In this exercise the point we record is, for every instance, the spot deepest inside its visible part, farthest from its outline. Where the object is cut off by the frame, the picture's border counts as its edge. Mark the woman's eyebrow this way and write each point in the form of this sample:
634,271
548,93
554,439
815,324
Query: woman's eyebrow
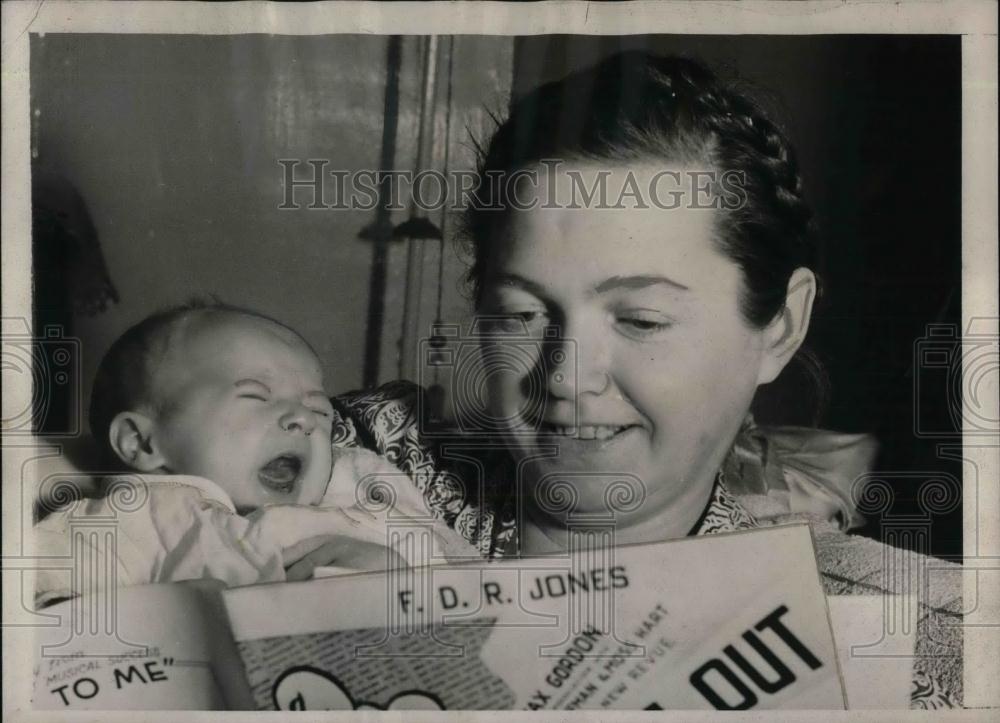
639,281
636,282
520,282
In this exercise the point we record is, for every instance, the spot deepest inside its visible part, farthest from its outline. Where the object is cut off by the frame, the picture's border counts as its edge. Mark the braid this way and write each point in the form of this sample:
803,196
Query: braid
771,235
775,154
737,121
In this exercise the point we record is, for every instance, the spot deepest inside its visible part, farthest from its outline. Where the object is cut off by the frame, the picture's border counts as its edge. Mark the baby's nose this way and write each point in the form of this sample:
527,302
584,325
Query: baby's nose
298,419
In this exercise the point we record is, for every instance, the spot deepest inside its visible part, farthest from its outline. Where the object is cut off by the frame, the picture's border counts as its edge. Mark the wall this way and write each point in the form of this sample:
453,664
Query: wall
173,142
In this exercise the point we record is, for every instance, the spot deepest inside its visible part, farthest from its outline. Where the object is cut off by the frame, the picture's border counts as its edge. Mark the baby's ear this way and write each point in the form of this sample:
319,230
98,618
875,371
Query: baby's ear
130,436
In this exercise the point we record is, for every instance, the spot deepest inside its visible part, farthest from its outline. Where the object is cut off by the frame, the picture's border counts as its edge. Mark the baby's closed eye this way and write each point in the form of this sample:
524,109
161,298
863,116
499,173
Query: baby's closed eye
319,404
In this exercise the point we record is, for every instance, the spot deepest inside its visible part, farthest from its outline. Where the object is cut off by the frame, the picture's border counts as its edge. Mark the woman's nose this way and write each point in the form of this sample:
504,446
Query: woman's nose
575,369
298,419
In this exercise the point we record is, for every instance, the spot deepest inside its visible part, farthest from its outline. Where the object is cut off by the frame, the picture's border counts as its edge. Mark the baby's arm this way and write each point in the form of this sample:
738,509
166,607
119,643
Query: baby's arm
369,508
338,552
369,487
366,484
174,533
385,420
309,537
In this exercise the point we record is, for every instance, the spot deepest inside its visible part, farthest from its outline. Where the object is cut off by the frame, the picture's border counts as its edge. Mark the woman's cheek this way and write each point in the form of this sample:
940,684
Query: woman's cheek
676,388
650,381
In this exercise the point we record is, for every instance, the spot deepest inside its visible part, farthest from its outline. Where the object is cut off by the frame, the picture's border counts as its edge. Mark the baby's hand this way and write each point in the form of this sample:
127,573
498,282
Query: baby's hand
302,558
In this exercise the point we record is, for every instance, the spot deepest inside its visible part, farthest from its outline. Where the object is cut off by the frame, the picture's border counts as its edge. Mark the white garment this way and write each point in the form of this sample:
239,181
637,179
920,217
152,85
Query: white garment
160,528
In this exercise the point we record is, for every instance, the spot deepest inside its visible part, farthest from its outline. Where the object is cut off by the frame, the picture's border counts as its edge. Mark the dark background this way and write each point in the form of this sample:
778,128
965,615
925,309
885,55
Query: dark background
876,122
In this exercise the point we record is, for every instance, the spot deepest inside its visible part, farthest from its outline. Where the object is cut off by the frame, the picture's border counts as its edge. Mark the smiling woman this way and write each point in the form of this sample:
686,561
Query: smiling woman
624,343
669,317
661,365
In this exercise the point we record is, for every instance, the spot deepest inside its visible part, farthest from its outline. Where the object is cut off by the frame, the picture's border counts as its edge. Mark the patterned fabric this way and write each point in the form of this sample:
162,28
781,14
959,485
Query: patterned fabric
927,693
724,513
386,420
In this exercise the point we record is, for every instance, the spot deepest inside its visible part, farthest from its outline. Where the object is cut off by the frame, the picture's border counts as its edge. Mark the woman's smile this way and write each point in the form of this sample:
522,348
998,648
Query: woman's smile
595,448
585,432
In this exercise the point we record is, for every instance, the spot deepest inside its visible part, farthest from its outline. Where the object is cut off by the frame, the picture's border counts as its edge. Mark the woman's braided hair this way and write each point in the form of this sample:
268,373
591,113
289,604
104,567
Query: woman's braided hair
636,107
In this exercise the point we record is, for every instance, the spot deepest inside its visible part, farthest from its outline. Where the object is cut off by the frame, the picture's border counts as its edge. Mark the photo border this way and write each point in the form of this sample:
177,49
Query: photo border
975,21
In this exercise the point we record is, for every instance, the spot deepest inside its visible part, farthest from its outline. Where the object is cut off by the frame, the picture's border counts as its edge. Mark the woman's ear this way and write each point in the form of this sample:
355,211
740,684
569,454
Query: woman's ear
131,439
786,332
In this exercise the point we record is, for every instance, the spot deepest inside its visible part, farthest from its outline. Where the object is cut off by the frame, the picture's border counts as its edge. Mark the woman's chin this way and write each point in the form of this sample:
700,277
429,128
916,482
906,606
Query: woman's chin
587,500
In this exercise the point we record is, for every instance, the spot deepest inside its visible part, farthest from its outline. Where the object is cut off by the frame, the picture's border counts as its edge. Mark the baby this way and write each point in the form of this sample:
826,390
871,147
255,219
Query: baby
222,414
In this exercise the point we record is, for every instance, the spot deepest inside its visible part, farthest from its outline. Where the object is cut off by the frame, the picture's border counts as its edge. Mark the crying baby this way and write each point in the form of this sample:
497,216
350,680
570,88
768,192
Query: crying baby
221,417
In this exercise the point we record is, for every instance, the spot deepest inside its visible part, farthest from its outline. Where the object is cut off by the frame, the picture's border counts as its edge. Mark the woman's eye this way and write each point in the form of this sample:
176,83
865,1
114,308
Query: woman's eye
642,325
516,322
254,396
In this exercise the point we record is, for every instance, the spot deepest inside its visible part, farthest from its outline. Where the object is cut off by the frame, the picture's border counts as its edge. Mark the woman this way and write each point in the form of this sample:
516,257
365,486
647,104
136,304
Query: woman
649,239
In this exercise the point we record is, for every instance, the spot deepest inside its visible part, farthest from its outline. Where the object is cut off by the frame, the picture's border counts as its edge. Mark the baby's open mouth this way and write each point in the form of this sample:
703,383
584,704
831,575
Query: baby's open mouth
281,473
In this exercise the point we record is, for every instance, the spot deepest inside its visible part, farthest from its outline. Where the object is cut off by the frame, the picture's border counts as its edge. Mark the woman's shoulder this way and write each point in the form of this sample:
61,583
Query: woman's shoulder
775,471
914,586
856,564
